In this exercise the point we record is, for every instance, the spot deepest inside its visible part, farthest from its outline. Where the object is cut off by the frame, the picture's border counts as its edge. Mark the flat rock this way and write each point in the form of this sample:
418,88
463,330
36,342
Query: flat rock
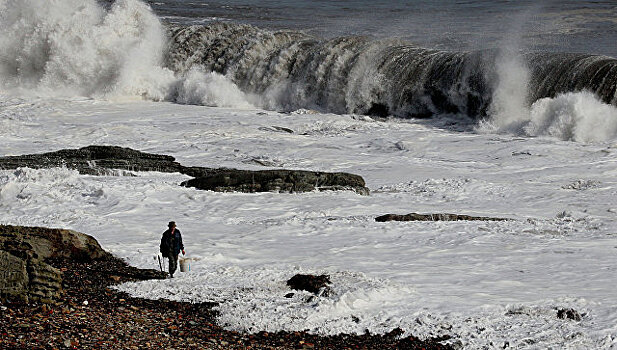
277,181
434,217
113,160
95,160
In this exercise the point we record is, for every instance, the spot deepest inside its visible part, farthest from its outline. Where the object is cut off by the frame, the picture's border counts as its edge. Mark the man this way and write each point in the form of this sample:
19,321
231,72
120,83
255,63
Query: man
171,246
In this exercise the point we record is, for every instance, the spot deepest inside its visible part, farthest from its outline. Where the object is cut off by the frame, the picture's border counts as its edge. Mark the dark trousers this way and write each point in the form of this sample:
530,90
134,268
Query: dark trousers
173,263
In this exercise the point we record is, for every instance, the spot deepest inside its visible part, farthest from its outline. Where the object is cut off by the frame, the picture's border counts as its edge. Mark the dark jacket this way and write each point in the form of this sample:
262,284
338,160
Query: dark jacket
171,243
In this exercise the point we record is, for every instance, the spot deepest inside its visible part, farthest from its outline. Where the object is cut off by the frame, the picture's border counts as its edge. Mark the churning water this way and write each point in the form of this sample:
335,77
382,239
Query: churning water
487,61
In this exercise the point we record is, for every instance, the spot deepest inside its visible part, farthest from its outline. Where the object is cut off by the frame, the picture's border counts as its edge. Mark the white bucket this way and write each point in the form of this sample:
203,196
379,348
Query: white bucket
185,264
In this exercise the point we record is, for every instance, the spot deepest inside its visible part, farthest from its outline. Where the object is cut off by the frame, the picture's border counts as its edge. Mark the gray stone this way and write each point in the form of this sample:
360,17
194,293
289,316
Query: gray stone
43,243
113,160
95,160
45,281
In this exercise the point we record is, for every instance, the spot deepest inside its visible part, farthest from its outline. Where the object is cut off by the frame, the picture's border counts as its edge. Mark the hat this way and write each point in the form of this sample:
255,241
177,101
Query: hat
171,224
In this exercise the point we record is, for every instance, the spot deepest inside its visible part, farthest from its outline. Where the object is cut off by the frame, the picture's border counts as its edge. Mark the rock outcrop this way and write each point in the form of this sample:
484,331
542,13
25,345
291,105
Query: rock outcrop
95,160
13,278
277,181
113,160
434,217
569,314
26,276
311,283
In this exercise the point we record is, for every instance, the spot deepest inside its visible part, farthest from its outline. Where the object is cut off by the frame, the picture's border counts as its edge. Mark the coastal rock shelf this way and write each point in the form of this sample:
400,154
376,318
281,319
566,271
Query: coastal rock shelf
277,181
113,160
434,217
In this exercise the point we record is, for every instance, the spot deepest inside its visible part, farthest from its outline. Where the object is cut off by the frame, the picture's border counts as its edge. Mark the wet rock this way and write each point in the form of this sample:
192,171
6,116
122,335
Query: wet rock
276,129
13,278
43,243
434,217
569,314
26,276
277,181
113,160
395,333
310,283
378,110
27,279
94,160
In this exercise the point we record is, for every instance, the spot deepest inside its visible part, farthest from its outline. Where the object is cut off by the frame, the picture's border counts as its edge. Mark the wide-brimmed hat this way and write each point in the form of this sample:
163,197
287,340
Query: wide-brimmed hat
171,224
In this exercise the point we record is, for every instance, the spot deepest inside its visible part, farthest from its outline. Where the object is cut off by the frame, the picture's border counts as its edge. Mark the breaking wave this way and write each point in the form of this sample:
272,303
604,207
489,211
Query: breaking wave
78,47
293,70
73,47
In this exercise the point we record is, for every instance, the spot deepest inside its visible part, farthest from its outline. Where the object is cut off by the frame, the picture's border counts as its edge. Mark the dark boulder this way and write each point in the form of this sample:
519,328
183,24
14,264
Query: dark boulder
569,314
310,283
434,217
277,181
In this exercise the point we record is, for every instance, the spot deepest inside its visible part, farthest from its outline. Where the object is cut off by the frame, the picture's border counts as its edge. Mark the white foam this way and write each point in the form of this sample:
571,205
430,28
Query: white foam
435,278
210,89
573,116
74,47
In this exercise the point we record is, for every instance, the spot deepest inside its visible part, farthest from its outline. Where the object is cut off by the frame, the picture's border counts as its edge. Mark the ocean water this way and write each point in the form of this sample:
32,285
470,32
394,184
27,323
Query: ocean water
489,108
569,26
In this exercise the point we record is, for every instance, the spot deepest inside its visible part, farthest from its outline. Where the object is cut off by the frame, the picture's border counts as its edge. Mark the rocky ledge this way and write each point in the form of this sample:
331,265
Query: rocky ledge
113,160
277,181
87,314
434,217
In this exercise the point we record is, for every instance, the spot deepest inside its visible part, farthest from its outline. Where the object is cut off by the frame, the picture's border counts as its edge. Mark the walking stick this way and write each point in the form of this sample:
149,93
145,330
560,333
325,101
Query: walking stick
160,264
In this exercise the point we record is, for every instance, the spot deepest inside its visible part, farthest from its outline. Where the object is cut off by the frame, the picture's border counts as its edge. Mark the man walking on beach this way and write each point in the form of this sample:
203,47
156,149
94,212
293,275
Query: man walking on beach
171,245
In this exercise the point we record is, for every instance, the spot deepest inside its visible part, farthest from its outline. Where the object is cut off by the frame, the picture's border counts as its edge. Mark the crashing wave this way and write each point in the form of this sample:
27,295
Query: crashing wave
292,70
121,49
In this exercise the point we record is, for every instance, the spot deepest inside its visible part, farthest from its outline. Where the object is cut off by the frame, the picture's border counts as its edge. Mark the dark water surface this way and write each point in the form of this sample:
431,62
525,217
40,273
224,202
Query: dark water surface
572,26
